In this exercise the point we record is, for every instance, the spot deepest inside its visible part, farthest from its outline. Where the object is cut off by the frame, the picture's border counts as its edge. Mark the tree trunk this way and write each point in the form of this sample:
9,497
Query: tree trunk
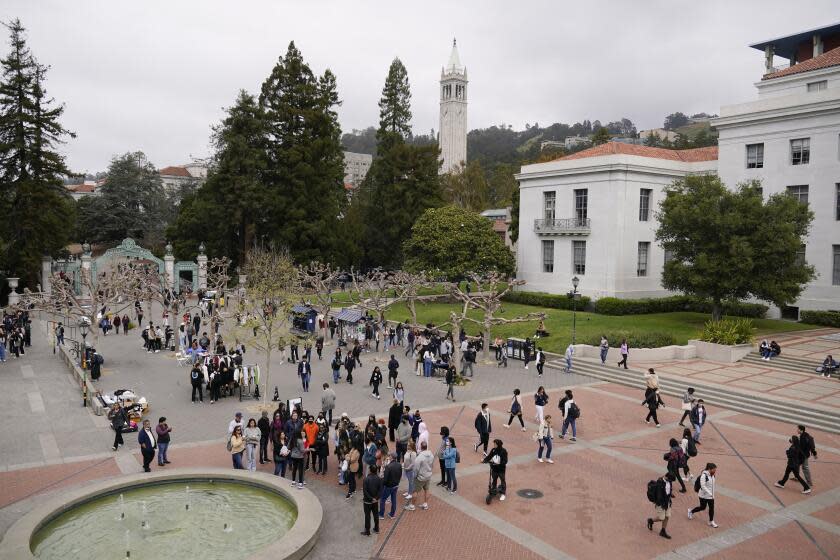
485,350
267,372
717,309
412,309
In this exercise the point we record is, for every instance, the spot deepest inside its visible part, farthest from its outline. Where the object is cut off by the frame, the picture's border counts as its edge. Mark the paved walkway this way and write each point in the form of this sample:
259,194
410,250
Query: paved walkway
593,500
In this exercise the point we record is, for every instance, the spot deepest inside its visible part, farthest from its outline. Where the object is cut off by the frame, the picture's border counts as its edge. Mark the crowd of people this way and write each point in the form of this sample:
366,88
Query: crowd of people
15,334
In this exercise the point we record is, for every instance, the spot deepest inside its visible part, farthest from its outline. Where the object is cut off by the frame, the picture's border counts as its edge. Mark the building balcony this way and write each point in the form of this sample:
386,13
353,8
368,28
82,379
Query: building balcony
563,226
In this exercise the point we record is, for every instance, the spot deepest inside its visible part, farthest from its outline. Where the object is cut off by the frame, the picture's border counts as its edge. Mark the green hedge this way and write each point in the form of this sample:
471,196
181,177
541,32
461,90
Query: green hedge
826,318
634,339
541,299
615,306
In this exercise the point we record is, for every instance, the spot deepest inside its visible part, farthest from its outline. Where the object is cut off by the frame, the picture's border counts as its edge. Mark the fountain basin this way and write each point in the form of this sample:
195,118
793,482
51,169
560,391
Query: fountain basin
267,517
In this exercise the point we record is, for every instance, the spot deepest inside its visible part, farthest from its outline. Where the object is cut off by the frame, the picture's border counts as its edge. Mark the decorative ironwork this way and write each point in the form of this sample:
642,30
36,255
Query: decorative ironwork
562,226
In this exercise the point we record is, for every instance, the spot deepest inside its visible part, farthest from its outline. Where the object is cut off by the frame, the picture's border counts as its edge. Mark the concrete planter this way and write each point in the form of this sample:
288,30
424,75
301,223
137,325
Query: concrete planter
720,352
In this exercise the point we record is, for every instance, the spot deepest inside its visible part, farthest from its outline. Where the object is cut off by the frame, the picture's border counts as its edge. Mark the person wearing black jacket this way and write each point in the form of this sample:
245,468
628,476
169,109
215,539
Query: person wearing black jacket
393,366
484,427
371,493
394,418
450,382
196,379
375,380
349,364
809,449
664,495
497,459
794,461
391,476
653,401
264,424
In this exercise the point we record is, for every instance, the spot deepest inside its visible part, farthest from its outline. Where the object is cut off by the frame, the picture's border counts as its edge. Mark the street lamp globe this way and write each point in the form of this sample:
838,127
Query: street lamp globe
83,328
575,282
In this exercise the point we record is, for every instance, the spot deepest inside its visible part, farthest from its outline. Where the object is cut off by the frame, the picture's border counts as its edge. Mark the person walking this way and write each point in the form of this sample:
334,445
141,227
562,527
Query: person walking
423,468
148,443
571,413
371,493
236,446
698,418
544,435
540,359
484,427
409,461
675,458
196,381
705,487
794,462
515,410
450,459
328,402
162,430
625,352
393,367
305,373
540,400
651,382
119,421
497,459
450,382
605,348
690,450
391,476
653,401
375,380
687,405
335,365
252,436
349,365
264,424
570,351
809,449
527,352
661,496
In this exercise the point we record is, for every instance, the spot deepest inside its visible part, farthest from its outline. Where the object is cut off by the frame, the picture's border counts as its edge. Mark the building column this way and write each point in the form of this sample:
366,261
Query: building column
202,268
14,296
169,267
818,45
768,58
46,274
85,271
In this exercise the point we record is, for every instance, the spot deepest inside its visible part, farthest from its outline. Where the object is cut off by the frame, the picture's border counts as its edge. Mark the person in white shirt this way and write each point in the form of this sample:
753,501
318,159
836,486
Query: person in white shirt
706,493
570,351
237,421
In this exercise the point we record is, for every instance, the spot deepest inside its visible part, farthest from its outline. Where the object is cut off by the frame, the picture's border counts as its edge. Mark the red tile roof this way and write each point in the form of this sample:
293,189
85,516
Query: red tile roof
82,188
709,153
825,60
175,171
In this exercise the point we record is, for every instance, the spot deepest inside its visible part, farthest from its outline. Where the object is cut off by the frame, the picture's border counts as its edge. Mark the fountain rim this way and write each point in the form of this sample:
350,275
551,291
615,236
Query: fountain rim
293,545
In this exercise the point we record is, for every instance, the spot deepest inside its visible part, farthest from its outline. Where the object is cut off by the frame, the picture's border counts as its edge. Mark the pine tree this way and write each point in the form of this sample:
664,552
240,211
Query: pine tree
403,179
38,212
305,162
234,183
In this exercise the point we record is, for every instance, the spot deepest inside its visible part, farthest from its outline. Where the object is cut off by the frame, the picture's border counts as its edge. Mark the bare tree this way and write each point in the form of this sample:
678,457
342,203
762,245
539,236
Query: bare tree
272,288
406,286
317,279
373,292
489,290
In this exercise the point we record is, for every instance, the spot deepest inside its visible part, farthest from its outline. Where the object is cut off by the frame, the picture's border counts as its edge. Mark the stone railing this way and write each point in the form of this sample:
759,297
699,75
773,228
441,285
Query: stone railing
563,226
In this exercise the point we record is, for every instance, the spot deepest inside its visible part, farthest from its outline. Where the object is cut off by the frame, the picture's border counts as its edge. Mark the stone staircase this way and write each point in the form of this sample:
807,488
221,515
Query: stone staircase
782,362
716,396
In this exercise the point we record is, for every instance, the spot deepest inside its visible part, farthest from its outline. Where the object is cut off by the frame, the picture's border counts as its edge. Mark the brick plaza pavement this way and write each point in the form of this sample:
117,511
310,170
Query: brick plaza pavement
593,500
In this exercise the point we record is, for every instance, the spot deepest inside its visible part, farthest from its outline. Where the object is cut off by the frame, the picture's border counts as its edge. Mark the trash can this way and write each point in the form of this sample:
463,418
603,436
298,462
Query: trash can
515,348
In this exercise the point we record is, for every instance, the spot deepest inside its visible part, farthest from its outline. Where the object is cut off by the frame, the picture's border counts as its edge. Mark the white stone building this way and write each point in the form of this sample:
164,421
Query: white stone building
789,138
453,113
174,176
356,167
591,215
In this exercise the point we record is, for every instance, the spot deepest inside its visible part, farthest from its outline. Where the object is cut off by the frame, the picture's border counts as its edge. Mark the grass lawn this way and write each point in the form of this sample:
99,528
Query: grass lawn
682,325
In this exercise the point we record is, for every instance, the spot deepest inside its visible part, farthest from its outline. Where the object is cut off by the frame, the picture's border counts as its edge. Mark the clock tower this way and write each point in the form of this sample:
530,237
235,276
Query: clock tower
453,113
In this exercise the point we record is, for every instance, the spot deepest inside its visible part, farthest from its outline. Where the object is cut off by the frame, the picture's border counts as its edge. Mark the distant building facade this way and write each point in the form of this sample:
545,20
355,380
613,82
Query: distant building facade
501,224
356,167
453,113
174,176
575,141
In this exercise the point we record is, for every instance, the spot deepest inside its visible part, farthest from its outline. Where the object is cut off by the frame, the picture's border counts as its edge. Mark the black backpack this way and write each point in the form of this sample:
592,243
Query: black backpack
574,411
651,490
697,483
692,447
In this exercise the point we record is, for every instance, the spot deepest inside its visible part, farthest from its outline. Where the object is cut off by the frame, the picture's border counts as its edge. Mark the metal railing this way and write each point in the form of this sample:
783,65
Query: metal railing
569,226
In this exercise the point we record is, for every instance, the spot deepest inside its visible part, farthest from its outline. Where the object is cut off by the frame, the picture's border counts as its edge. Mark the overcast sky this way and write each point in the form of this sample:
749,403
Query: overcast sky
155,75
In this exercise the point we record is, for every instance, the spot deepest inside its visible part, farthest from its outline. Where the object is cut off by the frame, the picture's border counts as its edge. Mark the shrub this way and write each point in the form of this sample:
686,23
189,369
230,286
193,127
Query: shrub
728,331
634,339
615,306
541,299
825,318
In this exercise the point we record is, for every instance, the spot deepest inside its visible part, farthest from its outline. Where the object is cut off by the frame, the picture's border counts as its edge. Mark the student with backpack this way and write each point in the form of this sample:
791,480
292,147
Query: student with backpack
571,413
659,493
794,462
676,460
705,488
515,410
809,449
689,449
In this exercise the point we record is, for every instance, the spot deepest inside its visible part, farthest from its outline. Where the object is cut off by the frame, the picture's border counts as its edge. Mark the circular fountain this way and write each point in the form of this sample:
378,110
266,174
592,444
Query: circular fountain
186,513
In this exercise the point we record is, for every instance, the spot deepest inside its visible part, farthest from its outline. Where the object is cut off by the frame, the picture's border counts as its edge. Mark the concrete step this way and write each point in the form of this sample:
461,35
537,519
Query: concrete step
760,406
783,362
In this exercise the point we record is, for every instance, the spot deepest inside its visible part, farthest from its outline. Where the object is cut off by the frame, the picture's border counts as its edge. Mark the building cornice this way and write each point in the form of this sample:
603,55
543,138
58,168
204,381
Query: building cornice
816,108
615,167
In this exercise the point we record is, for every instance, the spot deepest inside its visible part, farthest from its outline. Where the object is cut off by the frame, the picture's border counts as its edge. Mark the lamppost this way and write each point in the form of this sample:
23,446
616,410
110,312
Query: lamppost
83,329
574,295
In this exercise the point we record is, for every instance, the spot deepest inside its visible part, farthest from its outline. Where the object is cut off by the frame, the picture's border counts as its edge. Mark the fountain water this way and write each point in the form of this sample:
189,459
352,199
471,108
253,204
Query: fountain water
145,522
188,498
122,509
228,526
127,542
